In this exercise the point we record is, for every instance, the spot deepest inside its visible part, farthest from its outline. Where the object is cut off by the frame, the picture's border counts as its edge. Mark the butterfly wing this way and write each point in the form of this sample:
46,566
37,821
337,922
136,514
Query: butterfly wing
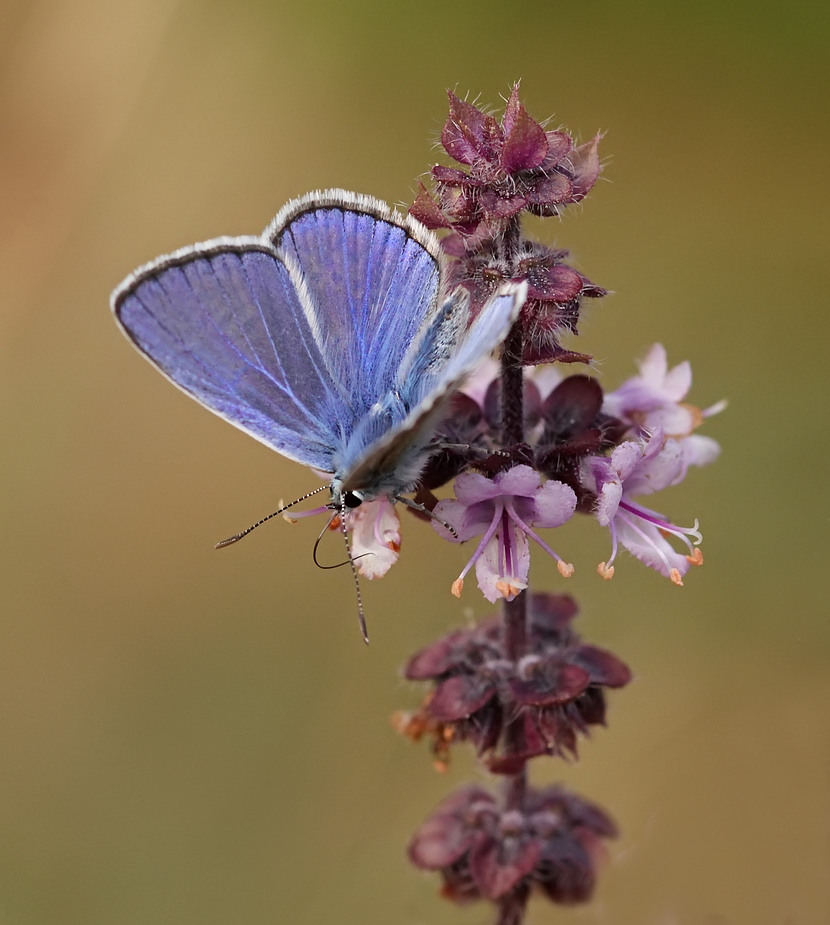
369,281
223,322
287,335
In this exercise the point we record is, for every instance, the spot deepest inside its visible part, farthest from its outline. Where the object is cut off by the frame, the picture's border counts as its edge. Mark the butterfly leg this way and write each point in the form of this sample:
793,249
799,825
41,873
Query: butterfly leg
414,506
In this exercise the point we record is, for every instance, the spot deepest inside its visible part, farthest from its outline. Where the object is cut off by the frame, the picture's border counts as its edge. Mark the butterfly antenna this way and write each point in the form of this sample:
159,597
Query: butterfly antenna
238,536
361,617
413,505
349,560
320,536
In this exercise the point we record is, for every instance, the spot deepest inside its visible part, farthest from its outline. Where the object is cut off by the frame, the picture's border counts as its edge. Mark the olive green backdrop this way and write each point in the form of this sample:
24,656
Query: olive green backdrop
200,737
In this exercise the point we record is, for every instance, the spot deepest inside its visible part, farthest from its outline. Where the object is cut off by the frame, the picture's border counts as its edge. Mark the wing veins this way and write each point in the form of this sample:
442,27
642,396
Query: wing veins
282,387
312,317
312,359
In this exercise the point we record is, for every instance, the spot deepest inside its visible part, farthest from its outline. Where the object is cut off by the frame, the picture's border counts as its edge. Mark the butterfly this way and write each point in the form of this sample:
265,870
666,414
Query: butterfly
329,338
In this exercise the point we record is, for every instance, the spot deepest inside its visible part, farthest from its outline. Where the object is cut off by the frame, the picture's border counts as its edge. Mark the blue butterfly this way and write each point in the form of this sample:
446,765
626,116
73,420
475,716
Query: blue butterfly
328,338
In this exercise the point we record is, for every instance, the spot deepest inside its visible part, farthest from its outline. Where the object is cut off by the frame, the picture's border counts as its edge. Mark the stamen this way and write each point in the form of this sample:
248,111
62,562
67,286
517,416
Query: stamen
609,567
650,542
716,408
663,525
560,563
696,558
488,534
361,616
510,589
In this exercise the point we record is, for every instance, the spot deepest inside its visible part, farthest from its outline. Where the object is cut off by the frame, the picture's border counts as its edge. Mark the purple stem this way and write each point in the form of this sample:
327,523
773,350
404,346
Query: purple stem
512,909
514,627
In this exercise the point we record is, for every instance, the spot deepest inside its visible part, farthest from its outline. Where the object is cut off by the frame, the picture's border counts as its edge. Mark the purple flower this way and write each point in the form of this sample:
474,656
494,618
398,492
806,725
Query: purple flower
655,399
513,709
573,426
564,423
482,849
503,511
554,295
512,166
638,467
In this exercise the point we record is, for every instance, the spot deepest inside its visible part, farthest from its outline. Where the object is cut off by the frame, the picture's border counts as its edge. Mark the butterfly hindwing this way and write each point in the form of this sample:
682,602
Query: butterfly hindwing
402,450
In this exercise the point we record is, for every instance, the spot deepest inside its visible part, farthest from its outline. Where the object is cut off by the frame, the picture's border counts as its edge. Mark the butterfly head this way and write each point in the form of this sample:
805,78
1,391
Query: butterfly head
342,498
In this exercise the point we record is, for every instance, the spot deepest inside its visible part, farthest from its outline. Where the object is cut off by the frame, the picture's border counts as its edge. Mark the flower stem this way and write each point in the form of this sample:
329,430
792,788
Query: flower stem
512,908
515,785
512,378
512,389
512,428
514,613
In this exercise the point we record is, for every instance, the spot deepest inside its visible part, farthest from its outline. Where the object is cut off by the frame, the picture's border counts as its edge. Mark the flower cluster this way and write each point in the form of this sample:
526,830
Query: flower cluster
511,709
598,453
512,166
525,448
655,399
503,510
483,849
659,448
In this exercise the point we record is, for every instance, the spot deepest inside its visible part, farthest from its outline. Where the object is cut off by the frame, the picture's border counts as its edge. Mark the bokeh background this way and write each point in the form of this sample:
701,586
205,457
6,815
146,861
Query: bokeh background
191,736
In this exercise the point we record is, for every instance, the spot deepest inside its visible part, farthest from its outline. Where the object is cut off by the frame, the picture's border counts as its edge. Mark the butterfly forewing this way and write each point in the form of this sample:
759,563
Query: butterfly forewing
369,284
224,323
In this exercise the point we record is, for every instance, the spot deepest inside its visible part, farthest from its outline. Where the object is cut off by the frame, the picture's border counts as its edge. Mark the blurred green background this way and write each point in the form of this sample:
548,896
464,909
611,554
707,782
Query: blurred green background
191,736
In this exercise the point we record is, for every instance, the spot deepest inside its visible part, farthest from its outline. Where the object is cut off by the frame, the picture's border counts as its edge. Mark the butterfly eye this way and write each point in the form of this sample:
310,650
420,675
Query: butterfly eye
352,499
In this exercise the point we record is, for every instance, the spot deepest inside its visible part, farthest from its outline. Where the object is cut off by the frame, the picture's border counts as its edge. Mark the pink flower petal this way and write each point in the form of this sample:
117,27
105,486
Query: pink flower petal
520,480
608,502
659,467
467,520
626,457
647,543
699,450
495,580
471,487
555,504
